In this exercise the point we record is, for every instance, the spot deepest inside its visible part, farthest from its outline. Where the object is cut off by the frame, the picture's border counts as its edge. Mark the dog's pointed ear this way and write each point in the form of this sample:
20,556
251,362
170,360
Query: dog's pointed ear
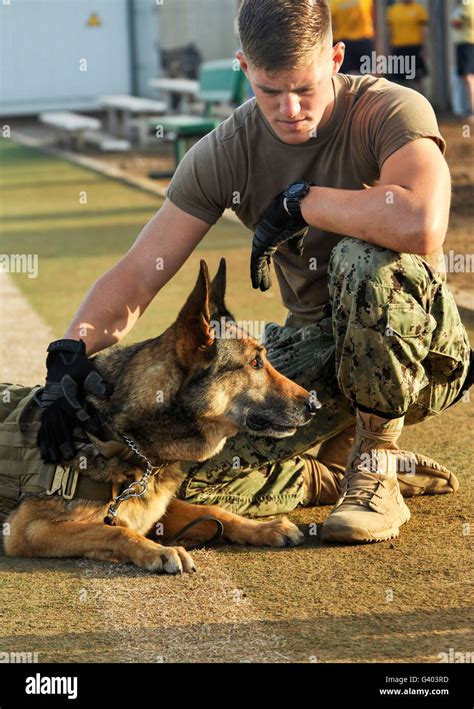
192,325
217,304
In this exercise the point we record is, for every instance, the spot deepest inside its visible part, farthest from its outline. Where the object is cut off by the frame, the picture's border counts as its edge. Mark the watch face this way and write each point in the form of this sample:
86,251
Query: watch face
296,188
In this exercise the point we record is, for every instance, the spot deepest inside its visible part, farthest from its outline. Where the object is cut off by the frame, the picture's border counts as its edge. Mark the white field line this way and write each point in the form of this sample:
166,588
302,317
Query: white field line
24,337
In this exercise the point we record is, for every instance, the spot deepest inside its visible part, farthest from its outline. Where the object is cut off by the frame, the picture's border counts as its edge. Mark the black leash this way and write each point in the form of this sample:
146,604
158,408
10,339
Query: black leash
218,535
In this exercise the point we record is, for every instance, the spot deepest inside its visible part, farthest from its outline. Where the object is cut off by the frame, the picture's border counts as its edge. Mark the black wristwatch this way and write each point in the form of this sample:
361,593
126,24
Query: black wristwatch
292,197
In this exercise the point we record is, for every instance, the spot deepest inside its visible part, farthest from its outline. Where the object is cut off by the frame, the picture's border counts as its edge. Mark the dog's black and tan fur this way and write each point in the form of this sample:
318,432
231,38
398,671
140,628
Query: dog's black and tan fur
180,396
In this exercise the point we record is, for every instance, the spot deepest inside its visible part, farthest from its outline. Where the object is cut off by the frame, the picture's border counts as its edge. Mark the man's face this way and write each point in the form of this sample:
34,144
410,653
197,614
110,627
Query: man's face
294,102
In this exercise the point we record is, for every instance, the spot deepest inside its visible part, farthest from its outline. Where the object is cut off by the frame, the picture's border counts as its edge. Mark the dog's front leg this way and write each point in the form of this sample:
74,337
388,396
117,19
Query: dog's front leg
46,538
278,532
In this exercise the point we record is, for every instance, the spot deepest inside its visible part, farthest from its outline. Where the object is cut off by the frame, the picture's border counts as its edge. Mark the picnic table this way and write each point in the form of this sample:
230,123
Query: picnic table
80,129
184,89
221,84
125,112
72,125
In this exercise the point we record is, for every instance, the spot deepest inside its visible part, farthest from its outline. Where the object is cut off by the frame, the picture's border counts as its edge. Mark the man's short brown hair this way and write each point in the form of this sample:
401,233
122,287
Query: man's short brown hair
283,34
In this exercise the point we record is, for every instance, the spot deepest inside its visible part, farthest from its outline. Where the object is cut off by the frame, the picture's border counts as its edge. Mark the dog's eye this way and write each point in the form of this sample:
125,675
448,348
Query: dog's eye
256,363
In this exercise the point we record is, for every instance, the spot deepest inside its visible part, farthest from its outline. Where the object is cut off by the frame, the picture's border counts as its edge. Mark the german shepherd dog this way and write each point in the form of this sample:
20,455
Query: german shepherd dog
211,388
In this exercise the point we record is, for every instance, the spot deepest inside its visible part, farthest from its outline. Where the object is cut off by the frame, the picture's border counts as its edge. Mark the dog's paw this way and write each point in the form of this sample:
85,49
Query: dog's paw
279,533
167,560
273,533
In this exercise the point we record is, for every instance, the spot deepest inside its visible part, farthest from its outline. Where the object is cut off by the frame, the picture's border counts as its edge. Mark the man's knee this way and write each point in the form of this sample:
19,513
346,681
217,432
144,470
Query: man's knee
345,251
358,261
351,254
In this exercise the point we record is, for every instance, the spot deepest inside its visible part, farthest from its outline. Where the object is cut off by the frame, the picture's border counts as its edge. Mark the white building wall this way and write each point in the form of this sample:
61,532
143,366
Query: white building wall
43,46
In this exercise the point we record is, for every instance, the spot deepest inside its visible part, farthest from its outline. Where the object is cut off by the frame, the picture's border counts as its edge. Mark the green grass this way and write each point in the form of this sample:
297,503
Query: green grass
41,213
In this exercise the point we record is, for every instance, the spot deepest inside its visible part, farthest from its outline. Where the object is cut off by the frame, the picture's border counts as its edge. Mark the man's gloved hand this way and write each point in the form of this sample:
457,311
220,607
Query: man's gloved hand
70,374
276,227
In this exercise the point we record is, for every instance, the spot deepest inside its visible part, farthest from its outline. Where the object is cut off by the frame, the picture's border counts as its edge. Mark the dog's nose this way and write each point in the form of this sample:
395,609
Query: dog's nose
313,405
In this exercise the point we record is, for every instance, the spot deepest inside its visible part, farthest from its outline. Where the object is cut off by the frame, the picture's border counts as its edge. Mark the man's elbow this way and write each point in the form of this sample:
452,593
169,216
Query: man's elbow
429,242
430,235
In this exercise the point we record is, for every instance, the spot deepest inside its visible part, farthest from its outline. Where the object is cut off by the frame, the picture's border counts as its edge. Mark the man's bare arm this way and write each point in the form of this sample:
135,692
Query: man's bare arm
119,297
408,211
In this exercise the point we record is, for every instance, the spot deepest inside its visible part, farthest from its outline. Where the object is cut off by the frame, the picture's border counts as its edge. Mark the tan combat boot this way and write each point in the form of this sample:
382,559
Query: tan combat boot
419,475
324,472
371,507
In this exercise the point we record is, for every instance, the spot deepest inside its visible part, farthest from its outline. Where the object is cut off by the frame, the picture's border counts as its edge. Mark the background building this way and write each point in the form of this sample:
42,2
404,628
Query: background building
63,54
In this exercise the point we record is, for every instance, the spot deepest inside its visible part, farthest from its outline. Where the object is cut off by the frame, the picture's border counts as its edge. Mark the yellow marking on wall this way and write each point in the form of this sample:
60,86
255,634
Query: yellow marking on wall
94,20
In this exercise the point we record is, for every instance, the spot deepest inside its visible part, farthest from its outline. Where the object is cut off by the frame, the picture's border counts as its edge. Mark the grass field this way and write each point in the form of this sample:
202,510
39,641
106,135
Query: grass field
408,600
76,243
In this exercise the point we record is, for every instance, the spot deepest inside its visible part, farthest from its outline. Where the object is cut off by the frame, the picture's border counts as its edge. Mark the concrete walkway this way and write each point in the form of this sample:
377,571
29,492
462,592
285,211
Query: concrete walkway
24,337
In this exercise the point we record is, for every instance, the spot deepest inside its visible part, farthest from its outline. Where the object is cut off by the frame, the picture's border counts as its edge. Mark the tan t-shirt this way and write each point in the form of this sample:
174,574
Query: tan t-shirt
243,165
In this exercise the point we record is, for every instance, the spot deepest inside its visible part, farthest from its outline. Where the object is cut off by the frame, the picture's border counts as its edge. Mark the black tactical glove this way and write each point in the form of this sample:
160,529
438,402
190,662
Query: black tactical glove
276,227
70,374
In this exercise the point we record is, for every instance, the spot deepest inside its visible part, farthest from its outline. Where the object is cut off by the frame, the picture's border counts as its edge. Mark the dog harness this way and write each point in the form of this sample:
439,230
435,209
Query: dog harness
23,471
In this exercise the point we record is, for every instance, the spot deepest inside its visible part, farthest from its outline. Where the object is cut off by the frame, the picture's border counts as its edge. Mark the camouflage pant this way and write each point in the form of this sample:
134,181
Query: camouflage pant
394,344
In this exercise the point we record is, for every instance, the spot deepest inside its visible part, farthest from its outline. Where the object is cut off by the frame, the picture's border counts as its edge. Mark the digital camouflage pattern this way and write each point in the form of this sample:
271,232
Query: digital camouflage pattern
400,343
394,343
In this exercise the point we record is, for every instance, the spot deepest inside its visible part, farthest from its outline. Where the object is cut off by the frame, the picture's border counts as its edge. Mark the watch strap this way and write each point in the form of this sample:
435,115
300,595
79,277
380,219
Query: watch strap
293,207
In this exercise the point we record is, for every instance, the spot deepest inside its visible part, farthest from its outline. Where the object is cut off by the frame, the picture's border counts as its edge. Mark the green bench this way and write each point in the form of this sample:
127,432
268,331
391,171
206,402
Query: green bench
219,84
